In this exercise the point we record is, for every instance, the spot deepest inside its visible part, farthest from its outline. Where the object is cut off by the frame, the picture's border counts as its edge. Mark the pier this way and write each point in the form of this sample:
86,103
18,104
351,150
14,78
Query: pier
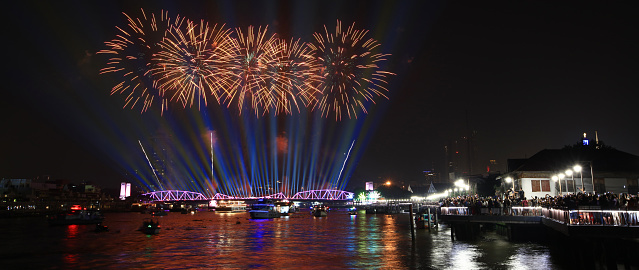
516,222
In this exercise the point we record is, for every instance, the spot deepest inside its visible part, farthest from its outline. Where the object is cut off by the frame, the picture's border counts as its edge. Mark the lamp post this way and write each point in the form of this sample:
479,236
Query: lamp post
572,178
592,176
510,179
555,178
561,176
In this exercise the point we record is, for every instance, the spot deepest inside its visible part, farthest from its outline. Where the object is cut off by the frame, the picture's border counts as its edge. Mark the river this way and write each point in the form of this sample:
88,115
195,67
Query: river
208,240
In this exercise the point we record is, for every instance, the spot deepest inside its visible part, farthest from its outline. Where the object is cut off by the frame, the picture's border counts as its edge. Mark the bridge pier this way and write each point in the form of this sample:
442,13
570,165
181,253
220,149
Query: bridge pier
464,230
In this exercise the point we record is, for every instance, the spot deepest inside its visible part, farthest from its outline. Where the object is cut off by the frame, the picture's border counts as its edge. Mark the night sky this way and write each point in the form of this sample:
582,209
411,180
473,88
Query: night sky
524,75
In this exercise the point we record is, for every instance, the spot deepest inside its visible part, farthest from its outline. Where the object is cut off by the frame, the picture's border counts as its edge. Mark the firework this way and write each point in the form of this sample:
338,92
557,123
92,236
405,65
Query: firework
349,69
131,54
193,62
253,53
292,74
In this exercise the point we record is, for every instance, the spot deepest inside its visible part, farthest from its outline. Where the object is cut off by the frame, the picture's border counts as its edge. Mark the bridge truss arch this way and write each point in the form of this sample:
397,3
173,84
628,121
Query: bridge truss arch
176,195
323,194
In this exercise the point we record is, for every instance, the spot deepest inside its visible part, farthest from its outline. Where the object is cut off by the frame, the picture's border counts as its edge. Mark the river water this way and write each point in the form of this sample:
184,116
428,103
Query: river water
208,240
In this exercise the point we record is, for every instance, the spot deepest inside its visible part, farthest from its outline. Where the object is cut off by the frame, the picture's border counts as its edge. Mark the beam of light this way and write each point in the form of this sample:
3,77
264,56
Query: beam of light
152,169
346,159
337,74
212,155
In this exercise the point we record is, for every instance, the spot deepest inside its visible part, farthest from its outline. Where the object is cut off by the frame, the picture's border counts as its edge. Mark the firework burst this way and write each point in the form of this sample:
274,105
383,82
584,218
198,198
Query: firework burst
131,54
252,54
349,69
292,74
193,62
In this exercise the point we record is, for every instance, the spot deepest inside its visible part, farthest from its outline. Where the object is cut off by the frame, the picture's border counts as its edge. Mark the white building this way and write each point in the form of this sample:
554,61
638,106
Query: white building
552,172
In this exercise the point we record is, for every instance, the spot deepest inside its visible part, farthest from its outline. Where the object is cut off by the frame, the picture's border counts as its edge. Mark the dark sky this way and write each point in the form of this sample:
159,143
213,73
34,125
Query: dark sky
525,75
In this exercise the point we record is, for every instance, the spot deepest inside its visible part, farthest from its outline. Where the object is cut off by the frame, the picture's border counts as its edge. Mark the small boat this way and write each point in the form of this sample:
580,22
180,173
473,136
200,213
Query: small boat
101,228
150,227
424,220
352,211
159,213
320,210
264,210
76,217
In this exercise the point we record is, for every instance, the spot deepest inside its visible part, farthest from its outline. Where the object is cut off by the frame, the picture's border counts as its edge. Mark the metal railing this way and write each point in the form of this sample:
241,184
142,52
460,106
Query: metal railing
576,217
599,217
494,211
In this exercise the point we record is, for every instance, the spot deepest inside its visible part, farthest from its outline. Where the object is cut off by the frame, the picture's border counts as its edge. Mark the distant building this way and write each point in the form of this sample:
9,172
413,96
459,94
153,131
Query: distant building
431,176
603,169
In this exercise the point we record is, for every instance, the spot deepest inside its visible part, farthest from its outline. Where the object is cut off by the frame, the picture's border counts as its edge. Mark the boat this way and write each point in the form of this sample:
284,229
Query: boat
264,210
158,213
320,210
101,228
285,207
423,221
76,217
230,207
352,211
149,226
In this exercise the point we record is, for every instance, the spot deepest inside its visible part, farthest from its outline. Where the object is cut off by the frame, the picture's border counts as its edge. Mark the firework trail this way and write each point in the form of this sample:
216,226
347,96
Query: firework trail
253,53
292,74
131,54
349,69
193,62
185,62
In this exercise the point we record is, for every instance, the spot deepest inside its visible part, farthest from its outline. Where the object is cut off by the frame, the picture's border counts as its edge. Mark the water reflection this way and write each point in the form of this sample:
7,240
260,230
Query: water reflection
209,240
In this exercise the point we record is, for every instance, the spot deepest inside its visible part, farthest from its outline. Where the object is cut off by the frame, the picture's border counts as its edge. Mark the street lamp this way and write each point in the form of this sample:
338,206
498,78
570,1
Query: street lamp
561,176
572,178
555,178
509,180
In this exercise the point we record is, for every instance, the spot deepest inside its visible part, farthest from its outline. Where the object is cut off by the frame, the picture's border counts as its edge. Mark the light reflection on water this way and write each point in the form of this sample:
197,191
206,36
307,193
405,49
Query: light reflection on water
233,241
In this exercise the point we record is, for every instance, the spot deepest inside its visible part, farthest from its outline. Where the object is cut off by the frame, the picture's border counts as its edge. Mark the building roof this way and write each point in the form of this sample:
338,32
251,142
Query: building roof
603,160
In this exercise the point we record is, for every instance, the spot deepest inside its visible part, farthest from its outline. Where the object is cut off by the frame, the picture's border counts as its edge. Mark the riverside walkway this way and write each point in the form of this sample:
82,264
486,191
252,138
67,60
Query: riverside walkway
581,222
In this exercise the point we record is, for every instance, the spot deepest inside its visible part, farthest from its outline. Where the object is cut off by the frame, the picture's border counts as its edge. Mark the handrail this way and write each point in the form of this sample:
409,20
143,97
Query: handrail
574,217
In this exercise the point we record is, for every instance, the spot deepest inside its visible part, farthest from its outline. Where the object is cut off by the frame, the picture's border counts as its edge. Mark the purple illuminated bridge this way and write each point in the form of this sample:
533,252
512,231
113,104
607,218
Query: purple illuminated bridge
320,195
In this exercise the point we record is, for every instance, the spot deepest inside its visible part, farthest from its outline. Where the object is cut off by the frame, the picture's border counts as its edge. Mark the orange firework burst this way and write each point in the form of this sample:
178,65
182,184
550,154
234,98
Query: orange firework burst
193,62
252,54
131,57
349,69
292,74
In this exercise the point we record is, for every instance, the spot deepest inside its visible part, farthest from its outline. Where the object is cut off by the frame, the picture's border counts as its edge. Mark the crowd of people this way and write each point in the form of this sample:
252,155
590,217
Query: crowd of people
610,201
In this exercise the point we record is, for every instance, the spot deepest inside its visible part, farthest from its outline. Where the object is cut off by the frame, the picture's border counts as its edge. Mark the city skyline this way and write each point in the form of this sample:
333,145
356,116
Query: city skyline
524,76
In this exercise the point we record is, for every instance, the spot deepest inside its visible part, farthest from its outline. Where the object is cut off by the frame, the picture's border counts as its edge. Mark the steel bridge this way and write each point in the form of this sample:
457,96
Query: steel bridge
176,195
320,195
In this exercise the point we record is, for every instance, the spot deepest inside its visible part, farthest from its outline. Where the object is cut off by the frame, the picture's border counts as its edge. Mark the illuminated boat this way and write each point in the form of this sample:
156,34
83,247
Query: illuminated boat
352,211
230,207
150,227
76,217
262,210
285,207
320,210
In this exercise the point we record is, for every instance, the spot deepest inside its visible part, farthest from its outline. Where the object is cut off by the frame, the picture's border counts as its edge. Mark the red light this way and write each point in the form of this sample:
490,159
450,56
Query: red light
76,207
